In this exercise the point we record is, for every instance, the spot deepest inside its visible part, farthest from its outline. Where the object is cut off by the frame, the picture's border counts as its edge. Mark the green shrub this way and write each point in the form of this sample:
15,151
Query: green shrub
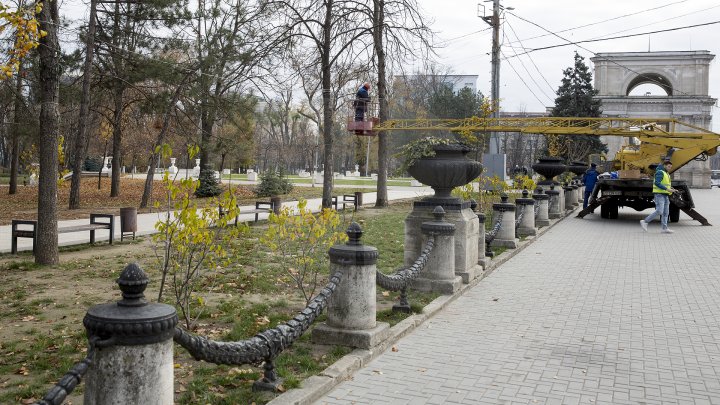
273,183
209,186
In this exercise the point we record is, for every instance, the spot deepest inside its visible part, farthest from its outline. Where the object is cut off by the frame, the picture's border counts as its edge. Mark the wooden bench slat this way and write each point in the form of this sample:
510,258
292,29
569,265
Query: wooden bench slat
78,228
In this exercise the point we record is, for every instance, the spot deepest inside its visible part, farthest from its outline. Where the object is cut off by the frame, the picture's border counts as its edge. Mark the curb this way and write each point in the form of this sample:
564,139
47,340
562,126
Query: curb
313,388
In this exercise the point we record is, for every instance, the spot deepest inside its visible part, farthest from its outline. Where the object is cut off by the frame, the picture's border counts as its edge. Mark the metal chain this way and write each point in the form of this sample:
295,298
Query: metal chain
489,236
68,382
264,346
402,277
520,217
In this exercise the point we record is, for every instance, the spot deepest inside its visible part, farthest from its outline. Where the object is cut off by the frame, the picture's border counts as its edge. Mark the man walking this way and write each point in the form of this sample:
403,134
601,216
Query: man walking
661,190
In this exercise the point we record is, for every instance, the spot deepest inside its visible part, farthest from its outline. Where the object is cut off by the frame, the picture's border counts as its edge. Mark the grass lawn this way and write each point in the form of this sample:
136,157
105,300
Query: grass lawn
42,335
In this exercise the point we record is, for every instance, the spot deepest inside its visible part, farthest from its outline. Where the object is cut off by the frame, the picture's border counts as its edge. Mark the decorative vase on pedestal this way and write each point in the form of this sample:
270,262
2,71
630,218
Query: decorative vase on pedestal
549,167
449,168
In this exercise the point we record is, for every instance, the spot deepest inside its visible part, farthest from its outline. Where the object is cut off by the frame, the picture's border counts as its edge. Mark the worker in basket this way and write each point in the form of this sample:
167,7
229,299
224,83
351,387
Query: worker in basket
362,99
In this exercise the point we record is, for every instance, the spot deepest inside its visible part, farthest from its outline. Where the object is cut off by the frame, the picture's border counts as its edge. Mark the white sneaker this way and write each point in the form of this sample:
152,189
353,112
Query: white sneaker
643,224
667,231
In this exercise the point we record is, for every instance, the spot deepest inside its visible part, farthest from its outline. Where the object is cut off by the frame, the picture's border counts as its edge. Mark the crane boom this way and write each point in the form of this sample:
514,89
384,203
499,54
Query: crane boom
634,127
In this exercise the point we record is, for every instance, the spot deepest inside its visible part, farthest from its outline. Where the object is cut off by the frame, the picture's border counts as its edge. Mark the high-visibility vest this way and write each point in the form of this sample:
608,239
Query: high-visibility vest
665,182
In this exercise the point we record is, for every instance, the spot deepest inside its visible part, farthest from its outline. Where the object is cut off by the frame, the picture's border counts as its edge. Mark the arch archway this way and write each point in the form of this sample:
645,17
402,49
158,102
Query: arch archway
683,77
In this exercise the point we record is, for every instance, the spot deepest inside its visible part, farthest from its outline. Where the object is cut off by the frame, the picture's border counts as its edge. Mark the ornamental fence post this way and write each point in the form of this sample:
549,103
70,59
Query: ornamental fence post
352,309
134,347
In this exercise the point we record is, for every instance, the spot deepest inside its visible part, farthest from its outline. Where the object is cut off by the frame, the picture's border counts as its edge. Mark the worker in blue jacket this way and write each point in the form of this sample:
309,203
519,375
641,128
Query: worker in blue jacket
362,99
589,179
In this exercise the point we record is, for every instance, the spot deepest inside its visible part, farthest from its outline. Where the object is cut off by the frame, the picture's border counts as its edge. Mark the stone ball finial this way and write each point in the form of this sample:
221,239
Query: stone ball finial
439,213
354,233
539,190
552,187
132,282
525,193
504,198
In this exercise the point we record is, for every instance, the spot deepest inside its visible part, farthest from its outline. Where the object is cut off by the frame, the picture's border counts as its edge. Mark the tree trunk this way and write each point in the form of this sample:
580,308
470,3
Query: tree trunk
327,108
383,153
46,251
15,152
155,157
117,140
81,141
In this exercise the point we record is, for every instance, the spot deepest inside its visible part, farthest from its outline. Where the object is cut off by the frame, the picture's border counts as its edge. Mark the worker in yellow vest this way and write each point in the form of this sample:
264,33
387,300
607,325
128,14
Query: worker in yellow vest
662,190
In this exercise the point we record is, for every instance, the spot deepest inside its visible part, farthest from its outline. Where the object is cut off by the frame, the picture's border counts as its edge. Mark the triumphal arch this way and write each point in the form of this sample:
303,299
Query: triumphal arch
682,75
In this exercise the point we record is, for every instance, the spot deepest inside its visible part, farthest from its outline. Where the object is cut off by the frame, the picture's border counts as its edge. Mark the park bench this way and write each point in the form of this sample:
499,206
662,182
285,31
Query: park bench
347,199
93,226
260,208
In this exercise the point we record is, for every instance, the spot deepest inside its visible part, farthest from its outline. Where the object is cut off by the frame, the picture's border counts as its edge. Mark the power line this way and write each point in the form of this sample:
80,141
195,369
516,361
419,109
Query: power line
650,79
522,80
569,42
604,21
531,60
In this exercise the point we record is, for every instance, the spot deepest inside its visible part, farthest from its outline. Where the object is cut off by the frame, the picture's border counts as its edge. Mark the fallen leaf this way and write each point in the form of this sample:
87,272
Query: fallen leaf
28,318
386,293
495,299
22,371
394,348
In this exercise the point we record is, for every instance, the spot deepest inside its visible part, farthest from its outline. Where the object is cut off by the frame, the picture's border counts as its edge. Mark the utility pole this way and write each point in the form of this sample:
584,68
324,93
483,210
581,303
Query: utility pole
494,22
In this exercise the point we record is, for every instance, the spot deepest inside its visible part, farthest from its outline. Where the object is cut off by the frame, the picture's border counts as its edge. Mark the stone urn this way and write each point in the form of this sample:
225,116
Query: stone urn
549,167
449,168
577,168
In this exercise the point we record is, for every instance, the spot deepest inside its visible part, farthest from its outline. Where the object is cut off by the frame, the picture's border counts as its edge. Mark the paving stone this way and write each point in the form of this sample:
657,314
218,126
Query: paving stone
596,308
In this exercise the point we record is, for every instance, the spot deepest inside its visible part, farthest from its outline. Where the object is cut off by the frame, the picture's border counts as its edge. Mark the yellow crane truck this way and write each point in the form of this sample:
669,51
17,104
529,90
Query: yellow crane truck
650,141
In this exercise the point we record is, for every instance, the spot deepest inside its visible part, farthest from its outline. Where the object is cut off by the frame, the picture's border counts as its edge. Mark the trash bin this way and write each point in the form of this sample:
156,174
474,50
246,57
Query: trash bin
128,221
276,204
358,200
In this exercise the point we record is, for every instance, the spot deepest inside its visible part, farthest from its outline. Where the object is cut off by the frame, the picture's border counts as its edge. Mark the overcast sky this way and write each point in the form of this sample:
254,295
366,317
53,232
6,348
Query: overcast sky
467,39
467,51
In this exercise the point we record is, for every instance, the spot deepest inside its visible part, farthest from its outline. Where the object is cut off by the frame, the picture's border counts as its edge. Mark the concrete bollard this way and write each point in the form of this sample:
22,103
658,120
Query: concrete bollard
134,359
352,309
483,260
526,206
439,272
542,201
580,191
569,197
555,207
506,234
575,194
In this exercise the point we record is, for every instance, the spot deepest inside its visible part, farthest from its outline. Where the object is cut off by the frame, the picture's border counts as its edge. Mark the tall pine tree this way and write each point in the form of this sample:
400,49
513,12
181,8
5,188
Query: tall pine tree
575,99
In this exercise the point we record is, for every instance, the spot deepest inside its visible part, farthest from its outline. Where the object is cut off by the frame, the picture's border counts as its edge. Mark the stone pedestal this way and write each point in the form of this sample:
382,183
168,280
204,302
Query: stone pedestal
526,206
505,236
569,198
555,203
542,202
252,176
138,367
458,213
438,275
352,308
196,169
483,260
172,169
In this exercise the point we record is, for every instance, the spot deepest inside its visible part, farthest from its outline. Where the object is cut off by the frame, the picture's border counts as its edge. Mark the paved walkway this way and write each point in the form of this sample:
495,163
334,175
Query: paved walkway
593,312
146,222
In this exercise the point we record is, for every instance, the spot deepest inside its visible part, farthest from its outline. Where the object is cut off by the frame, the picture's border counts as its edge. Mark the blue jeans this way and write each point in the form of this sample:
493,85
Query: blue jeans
662,208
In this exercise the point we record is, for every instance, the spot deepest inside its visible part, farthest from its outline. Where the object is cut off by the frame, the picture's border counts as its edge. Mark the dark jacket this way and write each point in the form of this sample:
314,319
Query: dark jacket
589,179
362,96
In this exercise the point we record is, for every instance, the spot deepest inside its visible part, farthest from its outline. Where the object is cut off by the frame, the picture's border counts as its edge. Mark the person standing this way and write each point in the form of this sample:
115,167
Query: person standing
362,99
589,179
662,190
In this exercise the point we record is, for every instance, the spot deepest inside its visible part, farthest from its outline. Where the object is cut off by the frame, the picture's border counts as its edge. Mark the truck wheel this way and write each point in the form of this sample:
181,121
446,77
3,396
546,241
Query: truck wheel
674,213
609,210
613,210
